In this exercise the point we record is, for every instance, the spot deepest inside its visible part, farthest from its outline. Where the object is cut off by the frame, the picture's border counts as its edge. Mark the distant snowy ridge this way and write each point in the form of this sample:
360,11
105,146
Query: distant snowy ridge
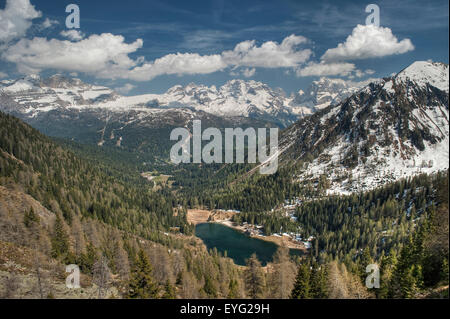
235,98
324,92
33,94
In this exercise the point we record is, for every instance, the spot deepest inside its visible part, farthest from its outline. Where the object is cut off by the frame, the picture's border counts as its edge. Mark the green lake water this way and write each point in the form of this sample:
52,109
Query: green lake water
238,246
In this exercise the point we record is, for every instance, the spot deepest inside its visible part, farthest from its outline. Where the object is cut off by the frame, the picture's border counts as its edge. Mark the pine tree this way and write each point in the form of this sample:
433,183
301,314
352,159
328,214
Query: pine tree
365,260
407,278
60,239
410,282
444,271
169,291
318,282
209,287
141,282
233,289
386,269
30,217
302,285
87,259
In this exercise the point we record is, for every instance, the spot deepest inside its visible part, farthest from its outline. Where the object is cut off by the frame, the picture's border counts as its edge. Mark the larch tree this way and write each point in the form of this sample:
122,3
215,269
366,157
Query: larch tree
254,278
282,279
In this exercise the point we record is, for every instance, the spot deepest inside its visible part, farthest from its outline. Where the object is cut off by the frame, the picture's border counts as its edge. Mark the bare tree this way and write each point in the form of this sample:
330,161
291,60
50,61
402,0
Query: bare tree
101,276
161,261
344,285
283,277
37,267
122,262
189,290
76,230
254,278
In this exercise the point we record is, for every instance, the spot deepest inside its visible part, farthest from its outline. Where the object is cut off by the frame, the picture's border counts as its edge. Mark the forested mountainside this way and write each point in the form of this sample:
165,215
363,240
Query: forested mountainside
55,176
358,137
57,208
50,217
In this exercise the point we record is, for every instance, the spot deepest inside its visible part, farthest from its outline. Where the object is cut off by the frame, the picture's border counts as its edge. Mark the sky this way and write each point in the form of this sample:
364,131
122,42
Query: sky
142,46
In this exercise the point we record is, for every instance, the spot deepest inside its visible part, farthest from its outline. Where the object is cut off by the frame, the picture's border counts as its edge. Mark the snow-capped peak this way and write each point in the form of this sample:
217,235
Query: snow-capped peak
33,77
324,92
424,72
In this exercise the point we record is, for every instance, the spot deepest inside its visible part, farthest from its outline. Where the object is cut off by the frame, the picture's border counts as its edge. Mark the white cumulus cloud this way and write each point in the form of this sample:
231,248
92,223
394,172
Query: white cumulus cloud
326,69
248,72
16,18
368,41
108,56
180,63
270,54
48,23
73,35
103,55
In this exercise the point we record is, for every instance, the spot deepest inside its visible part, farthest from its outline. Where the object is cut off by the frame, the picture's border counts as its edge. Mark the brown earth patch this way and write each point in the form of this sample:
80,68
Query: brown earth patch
198,216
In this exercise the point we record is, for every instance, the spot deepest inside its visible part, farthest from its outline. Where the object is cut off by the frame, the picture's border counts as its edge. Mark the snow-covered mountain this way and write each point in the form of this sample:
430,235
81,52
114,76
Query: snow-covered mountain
32,95
252,98
395,127
234,98
322,93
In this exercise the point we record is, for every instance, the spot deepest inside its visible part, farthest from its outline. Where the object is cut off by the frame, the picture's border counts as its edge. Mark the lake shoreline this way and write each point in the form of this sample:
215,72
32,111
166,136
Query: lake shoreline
282,241
202,216
233,243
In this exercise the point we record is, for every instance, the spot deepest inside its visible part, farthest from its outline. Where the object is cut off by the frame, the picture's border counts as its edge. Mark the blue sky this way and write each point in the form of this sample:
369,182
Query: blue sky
206,33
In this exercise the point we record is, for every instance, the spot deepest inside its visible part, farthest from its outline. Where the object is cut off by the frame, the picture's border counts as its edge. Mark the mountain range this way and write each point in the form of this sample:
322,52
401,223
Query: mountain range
392,128
32,96
358,135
